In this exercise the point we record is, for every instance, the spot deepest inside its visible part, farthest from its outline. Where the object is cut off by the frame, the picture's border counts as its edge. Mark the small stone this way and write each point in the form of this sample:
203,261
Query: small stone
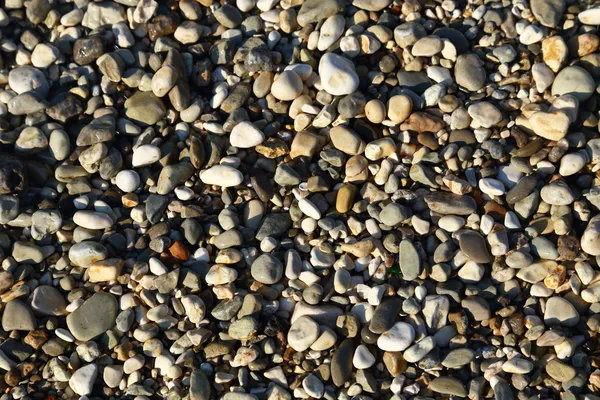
17,316
245,135
560,371
448,386
103,307
303,333
82,380
337,73
398,338
363,358
267,269
560,312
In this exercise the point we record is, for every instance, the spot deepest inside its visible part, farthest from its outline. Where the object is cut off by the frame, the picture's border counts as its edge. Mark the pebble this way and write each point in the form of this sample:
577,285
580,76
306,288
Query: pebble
245,135
303,333
363,359
398,338
337,74
222,175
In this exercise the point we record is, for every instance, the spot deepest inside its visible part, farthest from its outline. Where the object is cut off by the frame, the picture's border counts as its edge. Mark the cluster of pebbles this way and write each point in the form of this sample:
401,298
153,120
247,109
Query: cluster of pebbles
299,199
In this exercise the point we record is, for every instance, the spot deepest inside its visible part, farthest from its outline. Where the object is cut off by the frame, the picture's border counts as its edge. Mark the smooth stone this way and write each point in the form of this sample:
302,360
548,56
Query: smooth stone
267,269
17,316
146,154
548,12
560,371
98,131
92,219
398,338
331,30
127,180
303,333
371,5
574,80
337,74
313,386
200,387
26,78
448,386
47,300
477,308
172,176
450,203
485,114
517,365
590,240
419,350
384,315
491,186
458,358
9,208
313,11
363,358
94,317
245,135
473,245
393,214
287,86
341,363
346,140
551,126
560,312
409,260
469,73
222,175
145,108
86,253
590,16
82,380
557,193
435,311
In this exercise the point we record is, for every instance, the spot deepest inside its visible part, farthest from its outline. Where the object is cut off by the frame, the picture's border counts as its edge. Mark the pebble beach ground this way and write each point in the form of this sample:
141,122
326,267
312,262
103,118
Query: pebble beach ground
294,199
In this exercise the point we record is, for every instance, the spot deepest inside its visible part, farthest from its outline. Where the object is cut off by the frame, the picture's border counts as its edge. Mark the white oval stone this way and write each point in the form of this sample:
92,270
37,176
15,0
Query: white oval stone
127,180
331,31
145,155
363,358
590,17
222,175
83,379
517,365
572,163
398,338
245,135
338,76
92,219
303,332
309,209
287,86
492,187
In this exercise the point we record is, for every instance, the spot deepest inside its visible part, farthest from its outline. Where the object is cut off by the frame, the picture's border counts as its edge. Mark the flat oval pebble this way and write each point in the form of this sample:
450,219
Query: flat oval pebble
222,175
92,220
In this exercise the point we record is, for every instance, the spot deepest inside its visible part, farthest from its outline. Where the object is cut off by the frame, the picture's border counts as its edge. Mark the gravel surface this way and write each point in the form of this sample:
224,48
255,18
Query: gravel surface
276,200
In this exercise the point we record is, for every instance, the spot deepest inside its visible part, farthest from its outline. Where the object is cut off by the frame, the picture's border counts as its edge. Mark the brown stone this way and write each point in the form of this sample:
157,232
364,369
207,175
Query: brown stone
36,339
345,198
306,144
423,122
272,148
394,362
179,251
